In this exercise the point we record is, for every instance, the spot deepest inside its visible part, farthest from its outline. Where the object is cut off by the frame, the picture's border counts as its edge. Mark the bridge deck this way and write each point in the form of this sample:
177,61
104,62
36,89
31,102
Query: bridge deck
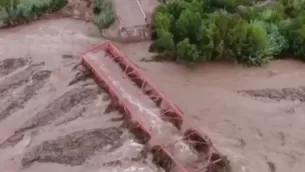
115,71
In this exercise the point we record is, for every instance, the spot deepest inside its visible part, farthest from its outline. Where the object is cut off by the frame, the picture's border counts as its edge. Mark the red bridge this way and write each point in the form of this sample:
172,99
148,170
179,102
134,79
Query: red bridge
175,144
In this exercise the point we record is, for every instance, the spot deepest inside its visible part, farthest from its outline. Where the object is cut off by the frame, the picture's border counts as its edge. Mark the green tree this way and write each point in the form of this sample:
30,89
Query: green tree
187,51
163,21
165,42
295,33
188,25
104,14
175,8
104,19
293,8
217,40
251,44
7,3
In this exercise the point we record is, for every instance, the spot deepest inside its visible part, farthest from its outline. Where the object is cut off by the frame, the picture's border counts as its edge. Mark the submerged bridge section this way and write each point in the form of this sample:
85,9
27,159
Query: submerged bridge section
134,19
175,144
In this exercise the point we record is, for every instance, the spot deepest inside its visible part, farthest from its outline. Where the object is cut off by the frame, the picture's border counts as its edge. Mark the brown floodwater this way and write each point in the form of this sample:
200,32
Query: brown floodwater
49,122
248,113
261,131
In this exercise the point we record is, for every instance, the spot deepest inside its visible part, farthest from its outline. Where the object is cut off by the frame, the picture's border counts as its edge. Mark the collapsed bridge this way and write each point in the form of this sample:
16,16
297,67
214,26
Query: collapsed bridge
174,142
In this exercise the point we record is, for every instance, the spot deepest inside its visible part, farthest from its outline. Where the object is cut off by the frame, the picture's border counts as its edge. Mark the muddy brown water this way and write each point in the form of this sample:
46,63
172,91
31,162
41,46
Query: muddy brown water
48,119
258,134
145,111
44,121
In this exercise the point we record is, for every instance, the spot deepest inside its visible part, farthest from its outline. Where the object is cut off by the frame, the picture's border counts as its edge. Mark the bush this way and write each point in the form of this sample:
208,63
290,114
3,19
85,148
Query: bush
239,30
5,8
28,10
278,42
57,5
187,50
292,8
104,14
229,5
105,19
217,43
250,43
7,3
10,14
165,43
295,33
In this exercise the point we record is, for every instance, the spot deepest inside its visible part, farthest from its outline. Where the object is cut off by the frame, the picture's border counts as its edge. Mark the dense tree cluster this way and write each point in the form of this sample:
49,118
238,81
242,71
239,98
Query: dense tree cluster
247,31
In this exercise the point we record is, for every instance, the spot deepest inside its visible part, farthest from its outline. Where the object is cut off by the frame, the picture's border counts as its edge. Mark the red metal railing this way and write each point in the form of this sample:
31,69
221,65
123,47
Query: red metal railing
169,112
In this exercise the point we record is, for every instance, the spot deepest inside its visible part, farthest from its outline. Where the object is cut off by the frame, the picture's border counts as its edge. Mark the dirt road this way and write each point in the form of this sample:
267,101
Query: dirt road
45,124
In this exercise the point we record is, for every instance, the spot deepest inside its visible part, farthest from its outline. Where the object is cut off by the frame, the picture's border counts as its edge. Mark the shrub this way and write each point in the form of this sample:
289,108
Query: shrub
7,3
165,43
187,50
11,14
251,45
229,5
292,8
278,42
295,34
56,5
188,25
104,14
217,43
105,19
28,10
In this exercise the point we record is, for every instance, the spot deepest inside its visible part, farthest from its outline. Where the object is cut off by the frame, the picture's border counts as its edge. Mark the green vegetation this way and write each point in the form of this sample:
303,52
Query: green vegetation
239,30
104,14
15,12
6,3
